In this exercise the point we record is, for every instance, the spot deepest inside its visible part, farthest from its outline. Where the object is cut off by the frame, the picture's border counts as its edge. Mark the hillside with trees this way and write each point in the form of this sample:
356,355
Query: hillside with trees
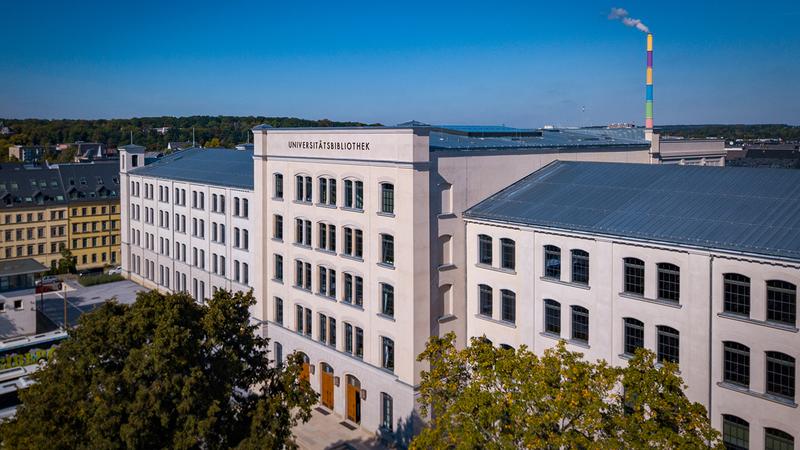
733,132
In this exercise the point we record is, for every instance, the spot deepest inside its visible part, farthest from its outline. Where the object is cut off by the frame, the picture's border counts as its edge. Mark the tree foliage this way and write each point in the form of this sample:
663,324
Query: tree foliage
164,372
490,398
229,130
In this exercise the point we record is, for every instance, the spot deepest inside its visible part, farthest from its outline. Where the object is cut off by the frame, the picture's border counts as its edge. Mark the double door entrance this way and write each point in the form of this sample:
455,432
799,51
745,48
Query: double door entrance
352,393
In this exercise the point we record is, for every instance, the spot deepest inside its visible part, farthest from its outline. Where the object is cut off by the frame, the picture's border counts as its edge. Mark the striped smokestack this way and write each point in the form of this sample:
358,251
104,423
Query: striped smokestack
648,105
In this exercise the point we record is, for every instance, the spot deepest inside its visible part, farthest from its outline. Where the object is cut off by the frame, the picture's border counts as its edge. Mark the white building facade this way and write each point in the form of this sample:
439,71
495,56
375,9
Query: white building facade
185,231
590,275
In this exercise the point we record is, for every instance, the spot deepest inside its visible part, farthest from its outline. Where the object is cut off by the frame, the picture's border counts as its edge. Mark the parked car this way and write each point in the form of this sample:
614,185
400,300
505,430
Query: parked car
48,284
117,270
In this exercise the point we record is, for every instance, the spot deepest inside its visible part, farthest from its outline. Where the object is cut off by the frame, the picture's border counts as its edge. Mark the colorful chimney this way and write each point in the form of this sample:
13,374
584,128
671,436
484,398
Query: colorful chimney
648,106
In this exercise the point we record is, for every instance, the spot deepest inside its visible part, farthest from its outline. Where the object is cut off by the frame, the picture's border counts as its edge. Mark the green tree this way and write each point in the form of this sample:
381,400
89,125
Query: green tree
165,372
66,264
213,143
490,398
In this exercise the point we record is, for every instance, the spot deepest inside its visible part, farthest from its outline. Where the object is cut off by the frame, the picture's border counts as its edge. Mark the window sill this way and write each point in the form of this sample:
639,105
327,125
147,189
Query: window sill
352,305
745,390
326,297
446,216
549,335
654,301
307,247
446,267
302,289
277,199
566,283
351,209
499,322
626,356
302,202
763,323
446,318
385,265
384,316
579,343
277,240
496,269
351,257
326,251
385,214
326,205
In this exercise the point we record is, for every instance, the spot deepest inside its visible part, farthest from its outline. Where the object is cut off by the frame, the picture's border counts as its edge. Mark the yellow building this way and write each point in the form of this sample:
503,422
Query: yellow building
92,192
33,214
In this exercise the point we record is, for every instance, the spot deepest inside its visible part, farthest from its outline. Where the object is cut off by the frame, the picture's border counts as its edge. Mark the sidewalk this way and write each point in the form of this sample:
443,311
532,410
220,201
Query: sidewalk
326,432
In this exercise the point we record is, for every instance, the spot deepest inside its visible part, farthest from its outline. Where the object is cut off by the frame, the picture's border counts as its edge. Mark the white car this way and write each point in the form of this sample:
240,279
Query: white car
115,270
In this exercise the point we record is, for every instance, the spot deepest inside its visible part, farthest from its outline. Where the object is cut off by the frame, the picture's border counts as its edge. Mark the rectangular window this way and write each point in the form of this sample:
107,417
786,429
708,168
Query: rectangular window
634,335
359,344
332,332
387,198
298,320
279,310
387,354
278,185
309,321
552,262
508,306
387,411
279,267
323,329
780,375
387,249
277,227
299,184
348,338
387,299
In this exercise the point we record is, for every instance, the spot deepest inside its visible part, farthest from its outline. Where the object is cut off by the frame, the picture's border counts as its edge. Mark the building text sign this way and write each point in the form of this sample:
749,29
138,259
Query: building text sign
328,145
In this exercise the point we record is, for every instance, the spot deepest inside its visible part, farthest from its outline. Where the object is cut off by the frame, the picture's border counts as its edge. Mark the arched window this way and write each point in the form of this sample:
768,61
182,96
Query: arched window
634,276
775,439
552,317
485,300
552,261
580,266
485,249
668,344
508,306
354,194
781,302
580,323
669,282
507,254
634,335
780,375
327,191
736,363
735,432
736,294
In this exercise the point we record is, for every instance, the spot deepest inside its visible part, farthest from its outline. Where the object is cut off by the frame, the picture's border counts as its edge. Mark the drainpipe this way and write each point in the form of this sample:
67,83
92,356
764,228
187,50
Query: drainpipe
710,332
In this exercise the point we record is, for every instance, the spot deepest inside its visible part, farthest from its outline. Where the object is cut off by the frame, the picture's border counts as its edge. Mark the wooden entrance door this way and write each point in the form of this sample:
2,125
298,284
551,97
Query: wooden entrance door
305,372
353,399
326,385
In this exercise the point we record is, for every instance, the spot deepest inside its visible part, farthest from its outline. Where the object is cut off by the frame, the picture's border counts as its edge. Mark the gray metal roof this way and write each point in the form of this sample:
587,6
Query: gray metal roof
215,166
755,211
29,186
465,138
22,266
91,182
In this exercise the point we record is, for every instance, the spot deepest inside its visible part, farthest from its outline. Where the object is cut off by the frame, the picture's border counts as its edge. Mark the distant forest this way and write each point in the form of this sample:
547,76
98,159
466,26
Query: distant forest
226,131
733,132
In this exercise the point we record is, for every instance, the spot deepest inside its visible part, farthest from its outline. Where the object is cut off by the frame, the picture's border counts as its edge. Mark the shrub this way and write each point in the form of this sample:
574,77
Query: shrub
91,280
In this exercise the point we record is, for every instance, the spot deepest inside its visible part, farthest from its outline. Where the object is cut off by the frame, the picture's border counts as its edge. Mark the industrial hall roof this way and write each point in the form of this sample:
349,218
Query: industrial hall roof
734,209
214,166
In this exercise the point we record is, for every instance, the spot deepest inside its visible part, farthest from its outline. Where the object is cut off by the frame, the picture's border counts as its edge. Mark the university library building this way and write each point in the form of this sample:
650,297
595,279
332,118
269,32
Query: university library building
361,243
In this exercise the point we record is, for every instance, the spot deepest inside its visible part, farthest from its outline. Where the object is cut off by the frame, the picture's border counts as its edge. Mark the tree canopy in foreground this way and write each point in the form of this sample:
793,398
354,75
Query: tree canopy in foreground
491,398
165,372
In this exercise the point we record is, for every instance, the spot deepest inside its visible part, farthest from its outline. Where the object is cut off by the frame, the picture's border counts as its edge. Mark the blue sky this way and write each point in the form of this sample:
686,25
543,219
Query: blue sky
525,63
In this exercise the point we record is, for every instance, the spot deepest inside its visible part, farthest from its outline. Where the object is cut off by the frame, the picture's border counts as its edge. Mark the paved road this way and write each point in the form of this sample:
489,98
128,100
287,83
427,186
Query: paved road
325,431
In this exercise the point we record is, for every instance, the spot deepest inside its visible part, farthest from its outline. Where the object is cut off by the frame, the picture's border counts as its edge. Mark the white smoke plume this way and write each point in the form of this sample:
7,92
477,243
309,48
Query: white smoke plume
622,15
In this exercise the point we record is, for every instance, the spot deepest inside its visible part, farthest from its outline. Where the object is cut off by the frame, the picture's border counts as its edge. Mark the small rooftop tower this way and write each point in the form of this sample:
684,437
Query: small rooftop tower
131,156
648,105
